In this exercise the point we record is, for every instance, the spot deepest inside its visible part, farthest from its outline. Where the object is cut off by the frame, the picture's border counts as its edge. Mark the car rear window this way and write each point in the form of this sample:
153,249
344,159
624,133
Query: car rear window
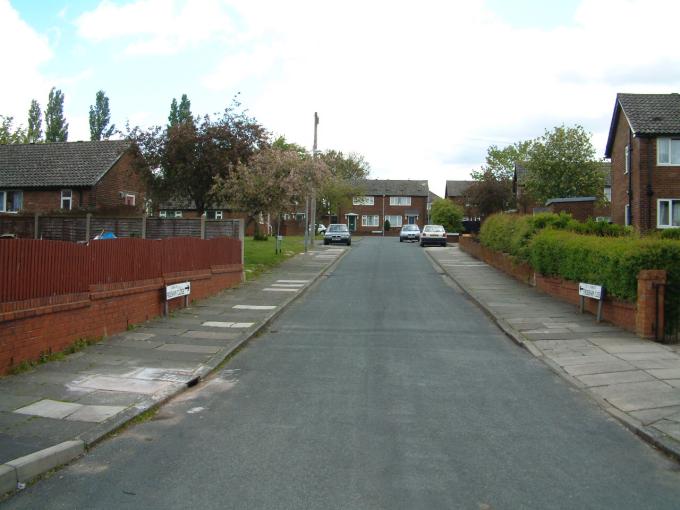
337,228
434,228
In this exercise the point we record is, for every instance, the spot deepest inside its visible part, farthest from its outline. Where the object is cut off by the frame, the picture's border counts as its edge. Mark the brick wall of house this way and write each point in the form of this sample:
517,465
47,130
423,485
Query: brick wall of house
580,211
619,177
665,184
418,204
120,178
49,200
49,325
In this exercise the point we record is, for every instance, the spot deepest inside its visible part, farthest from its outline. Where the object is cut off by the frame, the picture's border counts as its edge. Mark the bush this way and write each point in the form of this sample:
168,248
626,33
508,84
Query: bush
612,262
670,233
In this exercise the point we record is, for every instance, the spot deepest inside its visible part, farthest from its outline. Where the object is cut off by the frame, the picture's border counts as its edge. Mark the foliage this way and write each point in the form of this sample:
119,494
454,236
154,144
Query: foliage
56,127
500,163
273,181
562,163
490,194
449,215
10,134
387,225
345,174
100,117
612,262
183,161
181,113
34,130
512,233
670,233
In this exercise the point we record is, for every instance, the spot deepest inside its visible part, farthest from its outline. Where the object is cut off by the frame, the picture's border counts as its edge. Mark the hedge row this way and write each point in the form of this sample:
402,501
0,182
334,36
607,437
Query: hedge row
613,263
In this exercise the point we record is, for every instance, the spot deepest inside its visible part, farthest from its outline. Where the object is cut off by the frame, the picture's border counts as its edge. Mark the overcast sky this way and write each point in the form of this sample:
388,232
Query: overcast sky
421,89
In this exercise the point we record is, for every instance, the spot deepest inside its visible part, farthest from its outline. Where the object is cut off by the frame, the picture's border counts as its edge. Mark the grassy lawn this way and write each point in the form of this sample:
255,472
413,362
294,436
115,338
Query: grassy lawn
260,256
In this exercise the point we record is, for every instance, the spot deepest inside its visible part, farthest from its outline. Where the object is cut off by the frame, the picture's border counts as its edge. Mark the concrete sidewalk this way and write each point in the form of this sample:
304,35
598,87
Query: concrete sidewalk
53,413
635,380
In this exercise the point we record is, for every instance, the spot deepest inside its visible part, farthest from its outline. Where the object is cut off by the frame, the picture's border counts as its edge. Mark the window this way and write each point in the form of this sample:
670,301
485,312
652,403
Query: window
608,193
668,213
213,215
169,214
395,220
128,198
11,201
626,159
162,214
66,199
667,151
363,200
370,220
400,200
178,214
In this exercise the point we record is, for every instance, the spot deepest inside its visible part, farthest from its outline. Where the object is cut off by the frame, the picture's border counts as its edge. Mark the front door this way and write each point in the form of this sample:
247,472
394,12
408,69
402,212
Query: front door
412,220
352,223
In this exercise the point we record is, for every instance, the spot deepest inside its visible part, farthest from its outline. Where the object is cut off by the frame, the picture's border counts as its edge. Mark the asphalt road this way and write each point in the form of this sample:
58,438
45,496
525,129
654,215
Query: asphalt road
383,387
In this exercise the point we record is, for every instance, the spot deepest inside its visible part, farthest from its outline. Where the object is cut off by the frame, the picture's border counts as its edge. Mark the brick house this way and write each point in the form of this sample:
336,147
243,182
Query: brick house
456,191
644,147
64,176
399,201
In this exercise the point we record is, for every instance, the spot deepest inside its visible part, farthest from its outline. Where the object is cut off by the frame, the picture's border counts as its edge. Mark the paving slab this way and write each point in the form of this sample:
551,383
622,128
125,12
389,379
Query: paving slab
197,349
648,416
49,409
95,413
615,378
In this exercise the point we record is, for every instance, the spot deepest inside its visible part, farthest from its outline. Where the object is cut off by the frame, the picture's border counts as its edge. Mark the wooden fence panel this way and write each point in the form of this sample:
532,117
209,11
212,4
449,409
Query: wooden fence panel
20,226
122,227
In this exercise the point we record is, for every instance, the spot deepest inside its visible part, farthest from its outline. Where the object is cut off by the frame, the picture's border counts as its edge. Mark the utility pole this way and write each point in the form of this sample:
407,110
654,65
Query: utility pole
313,213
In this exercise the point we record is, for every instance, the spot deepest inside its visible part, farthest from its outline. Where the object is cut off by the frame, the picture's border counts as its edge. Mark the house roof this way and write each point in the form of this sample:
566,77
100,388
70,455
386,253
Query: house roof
605,168
58,164
391,187
570,199
431,197
457,188
647,115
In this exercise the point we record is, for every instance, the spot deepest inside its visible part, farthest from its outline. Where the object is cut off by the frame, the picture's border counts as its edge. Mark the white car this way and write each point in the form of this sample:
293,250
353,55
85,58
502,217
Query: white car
433,234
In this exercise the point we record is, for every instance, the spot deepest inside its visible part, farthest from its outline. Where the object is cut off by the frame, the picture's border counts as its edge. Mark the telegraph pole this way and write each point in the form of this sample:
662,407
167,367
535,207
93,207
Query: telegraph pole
313,213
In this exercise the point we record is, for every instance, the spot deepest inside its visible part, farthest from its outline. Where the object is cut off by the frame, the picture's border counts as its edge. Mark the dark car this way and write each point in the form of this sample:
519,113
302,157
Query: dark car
433,234
409,233
337,233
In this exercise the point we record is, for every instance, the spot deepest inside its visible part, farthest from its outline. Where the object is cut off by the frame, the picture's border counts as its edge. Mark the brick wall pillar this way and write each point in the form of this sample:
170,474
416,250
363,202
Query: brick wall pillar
650,312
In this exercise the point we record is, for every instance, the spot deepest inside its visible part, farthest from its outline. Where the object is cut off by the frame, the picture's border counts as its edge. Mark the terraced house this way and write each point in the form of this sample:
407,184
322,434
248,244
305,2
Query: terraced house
644,147
398,201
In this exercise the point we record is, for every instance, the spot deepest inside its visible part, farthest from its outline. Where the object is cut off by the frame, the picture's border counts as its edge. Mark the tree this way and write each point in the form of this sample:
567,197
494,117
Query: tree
272,182
344,182
562,163
490,194
183,161
500,163
446,213
34,131
100,116
181,113
56,127
9,133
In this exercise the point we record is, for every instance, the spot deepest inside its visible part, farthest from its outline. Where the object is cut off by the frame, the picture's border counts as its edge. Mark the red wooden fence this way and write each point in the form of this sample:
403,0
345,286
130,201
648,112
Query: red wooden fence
32,268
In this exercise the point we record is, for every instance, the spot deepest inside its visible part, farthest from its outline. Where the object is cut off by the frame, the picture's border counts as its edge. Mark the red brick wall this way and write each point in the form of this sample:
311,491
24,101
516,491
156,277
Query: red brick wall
51,324
121,177
417,204
580,211
619,178
44,201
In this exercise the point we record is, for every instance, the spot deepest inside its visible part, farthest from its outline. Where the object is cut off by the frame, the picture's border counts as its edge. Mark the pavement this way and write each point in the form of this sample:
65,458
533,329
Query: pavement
635,380
52,414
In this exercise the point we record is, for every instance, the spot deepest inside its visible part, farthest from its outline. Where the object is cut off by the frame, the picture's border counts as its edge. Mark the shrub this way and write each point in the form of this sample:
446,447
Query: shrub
670,233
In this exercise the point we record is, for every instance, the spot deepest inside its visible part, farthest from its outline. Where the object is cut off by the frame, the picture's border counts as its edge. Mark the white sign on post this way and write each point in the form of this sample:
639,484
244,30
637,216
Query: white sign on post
590,291
177,290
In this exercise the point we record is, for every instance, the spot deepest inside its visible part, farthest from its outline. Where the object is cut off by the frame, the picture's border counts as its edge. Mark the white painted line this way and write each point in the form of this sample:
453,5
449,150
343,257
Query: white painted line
463,265
293,281
217,324
298,285
254,307
279,290
242,324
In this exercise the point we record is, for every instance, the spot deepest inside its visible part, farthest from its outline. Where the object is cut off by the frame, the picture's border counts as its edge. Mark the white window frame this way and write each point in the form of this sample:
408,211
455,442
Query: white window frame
178,214
66,197
395,224
670,202
3,201
366,223
131,197
163,213
216,215
366,200
626,159
406,201
670,161
608,193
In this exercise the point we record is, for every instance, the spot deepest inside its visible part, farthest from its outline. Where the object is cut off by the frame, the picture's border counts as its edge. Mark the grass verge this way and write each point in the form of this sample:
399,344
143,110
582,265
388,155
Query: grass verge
261,256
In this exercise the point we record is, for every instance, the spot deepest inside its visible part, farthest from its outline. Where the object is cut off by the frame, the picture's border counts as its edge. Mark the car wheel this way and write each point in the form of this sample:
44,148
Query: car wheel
349,243
401,240
325,242
422,244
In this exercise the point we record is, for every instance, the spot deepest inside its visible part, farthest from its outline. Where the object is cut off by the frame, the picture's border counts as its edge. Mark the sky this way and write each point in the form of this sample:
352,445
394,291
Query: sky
420,89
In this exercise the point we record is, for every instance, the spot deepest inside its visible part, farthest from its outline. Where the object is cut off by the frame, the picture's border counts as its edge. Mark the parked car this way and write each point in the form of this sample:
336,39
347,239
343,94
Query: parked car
409,233
433,234
337,233
321,228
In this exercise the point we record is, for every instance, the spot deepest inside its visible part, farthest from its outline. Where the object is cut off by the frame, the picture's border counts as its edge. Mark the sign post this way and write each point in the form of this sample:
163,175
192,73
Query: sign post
588,290
175,291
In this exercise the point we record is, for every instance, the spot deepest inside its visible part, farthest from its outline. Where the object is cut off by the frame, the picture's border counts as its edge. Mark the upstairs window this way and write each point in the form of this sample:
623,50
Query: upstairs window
11,201
400,200
363,200
668,213
129,199
213,215
668,151
67,199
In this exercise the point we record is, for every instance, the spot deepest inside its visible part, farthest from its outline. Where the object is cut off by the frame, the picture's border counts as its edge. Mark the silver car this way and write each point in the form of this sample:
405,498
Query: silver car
337,233
409,233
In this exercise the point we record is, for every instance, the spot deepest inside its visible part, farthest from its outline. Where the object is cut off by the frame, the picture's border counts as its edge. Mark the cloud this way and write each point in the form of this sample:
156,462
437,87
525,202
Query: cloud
25,52
153,27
